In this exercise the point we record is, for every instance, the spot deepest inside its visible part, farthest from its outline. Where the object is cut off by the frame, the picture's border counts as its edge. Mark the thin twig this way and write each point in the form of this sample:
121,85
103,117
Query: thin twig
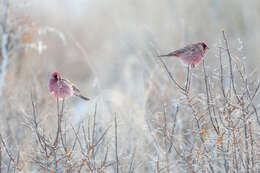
170,75
102,136
103,163
250,97
116,153
58,120
256,90
164,125
246,138
131,168
173,128
93,137
222,74
0,156
61,135
188,79
186,161
252,146
226,166
8,152
230,67
214,124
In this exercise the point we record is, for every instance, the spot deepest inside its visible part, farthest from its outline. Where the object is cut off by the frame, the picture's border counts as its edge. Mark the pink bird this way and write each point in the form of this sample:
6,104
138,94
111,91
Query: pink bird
63,88
190,54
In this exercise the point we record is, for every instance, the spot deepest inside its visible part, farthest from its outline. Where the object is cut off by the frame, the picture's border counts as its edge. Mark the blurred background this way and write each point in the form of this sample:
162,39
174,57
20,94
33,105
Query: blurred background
108,49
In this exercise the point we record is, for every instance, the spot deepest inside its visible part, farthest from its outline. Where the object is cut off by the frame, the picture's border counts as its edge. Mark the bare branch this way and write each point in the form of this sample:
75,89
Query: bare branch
230,67
171,77
0,157
116,153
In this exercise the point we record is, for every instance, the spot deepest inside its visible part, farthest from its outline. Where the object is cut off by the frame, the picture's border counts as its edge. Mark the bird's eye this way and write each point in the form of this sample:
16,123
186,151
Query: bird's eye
55,76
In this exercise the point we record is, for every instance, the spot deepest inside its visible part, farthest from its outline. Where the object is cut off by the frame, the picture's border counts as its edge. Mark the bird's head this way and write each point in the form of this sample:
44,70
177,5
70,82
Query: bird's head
204,45
56,76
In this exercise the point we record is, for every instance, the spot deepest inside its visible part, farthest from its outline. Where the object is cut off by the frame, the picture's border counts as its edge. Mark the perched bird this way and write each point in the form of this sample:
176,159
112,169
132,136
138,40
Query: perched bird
190,54
63,88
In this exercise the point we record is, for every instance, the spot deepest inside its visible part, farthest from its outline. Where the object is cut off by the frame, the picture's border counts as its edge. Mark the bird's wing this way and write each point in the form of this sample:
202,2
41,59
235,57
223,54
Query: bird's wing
69,83
174,53
190,48
75,89
187,50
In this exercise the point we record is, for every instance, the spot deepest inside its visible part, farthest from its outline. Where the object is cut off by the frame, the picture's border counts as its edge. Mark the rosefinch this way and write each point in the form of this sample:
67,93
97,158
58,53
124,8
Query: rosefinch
63,88
190,54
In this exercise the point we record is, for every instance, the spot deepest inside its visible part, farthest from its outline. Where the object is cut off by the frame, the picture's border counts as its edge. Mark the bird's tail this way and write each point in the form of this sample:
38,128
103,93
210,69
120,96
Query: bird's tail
82,97
171,54
162,55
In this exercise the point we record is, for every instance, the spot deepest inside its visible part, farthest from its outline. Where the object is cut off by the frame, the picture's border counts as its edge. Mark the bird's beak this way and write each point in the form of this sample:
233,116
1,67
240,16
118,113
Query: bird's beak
207,47
59,78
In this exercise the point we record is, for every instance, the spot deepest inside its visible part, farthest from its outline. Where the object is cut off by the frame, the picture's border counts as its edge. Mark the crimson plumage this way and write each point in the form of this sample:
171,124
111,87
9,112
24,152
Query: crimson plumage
190,54
63,88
